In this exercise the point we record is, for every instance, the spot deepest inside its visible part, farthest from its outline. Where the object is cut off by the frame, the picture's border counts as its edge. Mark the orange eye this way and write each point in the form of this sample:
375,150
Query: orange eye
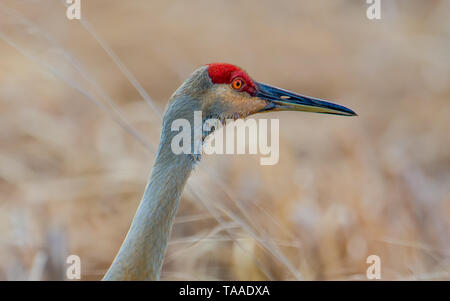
237,83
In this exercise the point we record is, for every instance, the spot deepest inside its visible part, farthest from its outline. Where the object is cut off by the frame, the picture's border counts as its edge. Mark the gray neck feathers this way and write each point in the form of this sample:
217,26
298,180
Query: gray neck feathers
141,254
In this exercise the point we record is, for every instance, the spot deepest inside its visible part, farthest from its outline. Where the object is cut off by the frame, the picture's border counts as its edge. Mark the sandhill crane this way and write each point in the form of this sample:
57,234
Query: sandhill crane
219,91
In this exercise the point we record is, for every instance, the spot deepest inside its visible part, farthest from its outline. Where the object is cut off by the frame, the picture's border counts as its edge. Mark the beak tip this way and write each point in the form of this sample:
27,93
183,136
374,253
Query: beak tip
346,112
349,112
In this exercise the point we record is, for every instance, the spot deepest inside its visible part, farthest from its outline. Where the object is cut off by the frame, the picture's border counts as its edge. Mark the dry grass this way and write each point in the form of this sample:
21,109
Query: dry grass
77,139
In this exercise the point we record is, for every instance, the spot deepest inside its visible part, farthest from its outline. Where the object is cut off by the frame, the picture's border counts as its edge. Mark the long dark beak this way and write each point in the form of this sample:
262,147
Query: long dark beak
283,100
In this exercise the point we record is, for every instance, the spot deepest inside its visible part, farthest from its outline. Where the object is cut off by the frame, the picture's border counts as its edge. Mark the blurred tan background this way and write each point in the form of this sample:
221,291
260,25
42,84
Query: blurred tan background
71,174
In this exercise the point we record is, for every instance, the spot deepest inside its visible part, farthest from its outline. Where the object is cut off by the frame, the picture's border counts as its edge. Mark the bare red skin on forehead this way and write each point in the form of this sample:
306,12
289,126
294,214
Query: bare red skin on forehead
221,73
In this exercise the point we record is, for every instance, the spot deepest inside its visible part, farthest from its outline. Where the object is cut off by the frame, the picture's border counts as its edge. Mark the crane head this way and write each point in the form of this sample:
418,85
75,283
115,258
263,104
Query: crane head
233,94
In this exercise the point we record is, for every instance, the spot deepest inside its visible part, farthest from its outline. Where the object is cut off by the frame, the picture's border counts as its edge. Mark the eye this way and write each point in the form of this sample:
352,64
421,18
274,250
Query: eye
237,83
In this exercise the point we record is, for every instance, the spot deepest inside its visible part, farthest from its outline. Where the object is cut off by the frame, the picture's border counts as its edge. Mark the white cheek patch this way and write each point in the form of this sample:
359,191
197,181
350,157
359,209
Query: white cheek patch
222,89
228,94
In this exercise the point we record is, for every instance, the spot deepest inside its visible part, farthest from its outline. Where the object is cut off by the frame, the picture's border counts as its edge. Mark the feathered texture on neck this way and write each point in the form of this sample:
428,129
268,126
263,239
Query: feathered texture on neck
141,254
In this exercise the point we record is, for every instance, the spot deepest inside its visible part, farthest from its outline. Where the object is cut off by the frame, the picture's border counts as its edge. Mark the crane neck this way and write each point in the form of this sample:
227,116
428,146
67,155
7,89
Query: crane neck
141,254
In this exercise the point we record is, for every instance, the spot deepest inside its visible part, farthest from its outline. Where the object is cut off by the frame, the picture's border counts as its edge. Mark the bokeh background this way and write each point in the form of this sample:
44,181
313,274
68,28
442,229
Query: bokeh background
78,133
